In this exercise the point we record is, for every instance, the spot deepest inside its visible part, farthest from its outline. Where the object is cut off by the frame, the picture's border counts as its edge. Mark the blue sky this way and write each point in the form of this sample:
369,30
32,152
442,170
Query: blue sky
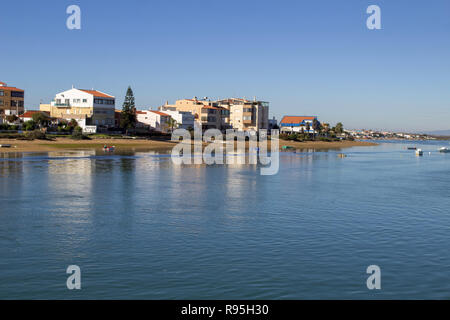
304,57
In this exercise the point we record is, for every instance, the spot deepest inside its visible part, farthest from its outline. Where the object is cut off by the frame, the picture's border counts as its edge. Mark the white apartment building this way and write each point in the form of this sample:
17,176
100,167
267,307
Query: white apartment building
156,120
246,115
90,107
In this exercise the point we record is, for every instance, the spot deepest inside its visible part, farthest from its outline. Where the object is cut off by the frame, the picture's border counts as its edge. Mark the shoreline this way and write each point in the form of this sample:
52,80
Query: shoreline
64,144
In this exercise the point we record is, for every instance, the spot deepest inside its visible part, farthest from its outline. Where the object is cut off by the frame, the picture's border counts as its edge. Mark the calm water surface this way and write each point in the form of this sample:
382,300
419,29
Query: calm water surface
141,227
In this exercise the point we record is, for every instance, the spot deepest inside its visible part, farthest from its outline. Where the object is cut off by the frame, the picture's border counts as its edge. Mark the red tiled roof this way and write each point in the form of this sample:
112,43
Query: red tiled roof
160,113
140,112
2,83
96,93
295,119
10,88
30,113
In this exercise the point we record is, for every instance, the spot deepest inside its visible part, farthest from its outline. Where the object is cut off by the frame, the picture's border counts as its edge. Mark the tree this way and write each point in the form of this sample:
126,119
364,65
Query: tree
172,123
326,128
316,126
339,129
11,118
128,115
41,119
29,125
308,127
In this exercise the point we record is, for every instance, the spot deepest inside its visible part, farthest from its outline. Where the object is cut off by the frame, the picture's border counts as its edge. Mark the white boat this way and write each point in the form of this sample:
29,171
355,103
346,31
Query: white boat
444,150
419,152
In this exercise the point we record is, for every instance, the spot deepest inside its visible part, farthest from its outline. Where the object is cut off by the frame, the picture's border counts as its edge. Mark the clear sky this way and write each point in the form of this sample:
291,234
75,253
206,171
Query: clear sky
304,57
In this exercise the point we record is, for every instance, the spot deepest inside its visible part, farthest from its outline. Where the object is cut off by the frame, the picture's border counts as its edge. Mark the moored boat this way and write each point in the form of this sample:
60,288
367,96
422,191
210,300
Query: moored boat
109,148
419,152
444,150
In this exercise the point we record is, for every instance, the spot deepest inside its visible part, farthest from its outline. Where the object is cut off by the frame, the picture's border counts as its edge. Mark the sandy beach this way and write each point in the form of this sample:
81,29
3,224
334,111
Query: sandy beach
141,144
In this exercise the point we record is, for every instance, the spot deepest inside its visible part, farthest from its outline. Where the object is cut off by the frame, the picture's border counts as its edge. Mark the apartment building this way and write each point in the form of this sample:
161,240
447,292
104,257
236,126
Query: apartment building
246,115
11,100
207,114
90,107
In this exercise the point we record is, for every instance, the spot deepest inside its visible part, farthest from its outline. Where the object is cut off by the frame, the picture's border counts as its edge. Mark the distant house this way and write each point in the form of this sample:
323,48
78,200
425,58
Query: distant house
155,120
291,124
28,115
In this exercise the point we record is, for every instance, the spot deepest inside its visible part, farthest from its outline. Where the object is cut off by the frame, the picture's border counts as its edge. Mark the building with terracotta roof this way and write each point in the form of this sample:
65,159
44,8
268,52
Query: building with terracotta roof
207,114
153,120
88,107
290,124
11,100
28,115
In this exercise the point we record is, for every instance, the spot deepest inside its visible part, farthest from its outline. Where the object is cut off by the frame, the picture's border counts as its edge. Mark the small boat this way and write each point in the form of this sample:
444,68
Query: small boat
287,147
412,148
5,146
419,152
444,150
109,148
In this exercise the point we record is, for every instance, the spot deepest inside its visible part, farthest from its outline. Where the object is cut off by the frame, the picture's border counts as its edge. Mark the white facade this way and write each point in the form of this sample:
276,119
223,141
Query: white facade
156,120
73,98
290,129
96,107
184,119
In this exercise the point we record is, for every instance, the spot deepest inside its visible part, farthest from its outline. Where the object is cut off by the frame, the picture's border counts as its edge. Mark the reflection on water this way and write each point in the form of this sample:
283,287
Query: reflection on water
142,227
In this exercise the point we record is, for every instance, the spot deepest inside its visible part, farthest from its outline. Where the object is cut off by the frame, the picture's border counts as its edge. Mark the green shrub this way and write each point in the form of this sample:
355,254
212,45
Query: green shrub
78,135
29,125
35,134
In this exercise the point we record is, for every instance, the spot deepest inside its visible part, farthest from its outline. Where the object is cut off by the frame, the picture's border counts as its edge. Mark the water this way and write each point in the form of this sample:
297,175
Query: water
140,227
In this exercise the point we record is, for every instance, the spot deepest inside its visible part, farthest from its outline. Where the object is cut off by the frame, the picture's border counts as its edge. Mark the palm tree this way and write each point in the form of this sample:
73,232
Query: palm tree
172,123
316,127
308,127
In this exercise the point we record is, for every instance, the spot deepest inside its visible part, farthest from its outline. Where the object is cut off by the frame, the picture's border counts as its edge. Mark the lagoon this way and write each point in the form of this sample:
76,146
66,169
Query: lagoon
141,227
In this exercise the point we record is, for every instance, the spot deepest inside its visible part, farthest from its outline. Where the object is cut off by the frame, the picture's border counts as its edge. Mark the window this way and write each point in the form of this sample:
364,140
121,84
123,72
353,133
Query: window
17,94
1,102
2,93
84,100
